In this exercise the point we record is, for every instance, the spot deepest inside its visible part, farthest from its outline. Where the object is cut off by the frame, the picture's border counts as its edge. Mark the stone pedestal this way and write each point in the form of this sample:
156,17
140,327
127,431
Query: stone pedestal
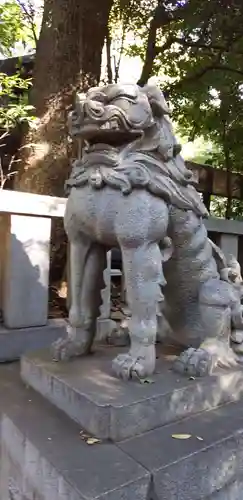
88,392
193,449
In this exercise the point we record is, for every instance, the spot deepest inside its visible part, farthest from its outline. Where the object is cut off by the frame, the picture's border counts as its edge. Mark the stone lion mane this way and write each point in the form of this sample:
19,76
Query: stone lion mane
151,161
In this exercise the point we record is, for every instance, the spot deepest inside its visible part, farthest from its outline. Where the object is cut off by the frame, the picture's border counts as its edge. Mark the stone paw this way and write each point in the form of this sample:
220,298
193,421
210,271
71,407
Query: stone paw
65,349
73,346
138,363
194,362
127,367
202,361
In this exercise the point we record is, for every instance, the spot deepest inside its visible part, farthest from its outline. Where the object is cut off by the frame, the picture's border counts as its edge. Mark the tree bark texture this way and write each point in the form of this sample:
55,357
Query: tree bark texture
68,58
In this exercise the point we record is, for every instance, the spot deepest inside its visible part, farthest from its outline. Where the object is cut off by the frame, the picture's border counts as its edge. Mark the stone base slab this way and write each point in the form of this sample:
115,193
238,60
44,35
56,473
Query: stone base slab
43,457
15,342
207,465
88,392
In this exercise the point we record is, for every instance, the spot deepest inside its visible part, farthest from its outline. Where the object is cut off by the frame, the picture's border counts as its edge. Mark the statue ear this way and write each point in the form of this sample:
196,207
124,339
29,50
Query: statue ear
156,100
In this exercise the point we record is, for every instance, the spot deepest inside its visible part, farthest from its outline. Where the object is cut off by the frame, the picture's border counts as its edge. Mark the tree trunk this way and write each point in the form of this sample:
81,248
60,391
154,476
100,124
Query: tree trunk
162,17
68,57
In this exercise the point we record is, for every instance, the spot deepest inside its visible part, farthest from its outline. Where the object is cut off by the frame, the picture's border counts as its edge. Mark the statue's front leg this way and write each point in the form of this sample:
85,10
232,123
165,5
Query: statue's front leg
143,274
87,262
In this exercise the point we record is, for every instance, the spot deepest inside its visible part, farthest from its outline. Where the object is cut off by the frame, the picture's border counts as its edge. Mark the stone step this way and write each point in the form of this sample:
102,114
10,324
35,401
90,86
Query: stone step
206,465
16,341
233,491
87,391
43,455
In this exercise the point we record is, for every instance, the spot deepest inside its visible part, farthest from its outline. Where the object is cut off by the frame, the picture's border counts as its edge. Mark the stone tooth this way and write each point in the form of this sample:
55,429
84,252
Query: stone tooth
114,124
105,126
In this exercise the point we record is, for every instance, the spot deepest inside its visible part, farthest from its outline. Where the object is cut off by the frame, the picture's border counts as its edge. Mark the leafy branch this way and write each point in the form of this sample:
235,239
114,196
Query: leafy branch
196,76
30,17
4,177
13,111
199,45
162,17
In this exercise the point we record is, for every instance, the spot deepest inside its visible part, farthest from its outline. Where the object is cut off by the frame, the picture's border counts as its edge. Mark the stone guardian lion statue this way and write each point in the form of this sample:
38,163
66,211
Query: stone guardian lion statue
131,189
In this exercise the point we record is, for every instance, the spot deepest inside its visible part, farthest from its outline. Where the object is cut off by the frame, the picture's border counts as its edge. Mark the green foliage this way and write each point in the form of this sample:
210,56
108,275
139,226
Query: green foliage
14,108
16,26
200,55
11,26
196,50
19,24
8,84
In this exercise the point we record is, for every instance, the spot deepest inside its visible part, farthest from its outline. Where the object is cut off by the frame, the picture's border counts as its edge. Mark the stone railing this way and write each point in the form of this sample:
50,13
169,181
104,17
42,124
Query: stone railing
25,234
228,234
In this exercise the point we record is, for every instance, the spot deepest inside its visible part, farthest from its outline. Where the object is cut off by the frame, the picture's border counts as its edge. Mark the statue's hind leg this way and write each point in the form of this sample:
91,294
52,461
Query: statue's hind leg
215,302
143,274
87,263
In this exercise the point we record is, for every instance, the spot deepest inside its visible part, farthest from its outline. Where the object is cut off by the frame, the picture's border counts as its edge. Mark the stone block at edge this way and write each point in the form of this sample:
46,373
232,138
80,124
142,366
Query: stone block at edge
206,463
87,391
233,491
16,342
53,458
93,417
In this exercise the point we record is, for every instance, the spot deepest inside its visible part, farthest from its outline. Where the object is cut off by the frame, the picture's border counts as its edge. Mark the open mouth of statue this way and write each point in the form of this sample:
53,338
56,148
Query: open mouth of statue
109,133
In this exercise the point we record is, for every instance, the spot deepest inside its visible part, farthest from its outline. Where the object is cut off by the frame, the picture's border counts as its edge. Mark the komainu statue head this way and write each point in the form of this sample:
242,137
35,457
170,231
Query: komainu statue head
128,143
117,114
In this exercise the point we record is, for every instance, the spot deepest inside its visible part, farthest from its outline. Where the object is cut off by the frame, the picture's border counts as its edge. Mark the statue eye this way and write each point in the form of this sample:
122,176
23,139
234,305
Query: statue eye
99,97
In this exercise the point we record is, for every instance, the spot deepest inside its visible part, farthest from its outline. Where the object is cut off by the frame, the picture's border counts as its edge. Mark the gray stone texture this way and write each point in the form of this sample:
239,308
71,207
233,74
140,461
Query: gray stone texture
223,226
15,342
25,260
232,491
44,456
89,393
193,468
105,308
229,244
131,189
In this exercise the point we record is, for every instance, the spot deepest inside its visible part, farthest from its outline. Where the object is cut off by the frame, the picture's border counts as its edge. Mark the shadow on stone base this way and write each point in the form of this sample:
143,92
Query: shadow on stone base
16,342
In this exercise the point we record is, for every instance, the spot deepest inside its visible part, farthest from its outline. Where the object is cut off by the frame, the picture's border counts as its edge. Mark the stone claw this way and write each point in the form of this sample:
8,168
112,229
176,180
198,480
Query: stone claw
77,343
127,367
130,365
194,362
65,349
202,361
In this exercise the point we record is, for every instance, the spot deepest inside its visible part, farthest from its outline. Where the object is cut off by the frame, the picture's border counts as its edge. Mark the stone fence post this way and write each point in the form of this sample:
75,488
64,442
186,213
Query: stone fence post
25,234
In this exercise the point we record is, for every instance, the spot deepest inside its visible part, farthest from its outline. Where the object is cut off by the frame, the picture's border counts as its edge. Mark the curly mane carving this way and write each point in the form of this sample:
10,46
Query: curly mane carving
143,152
